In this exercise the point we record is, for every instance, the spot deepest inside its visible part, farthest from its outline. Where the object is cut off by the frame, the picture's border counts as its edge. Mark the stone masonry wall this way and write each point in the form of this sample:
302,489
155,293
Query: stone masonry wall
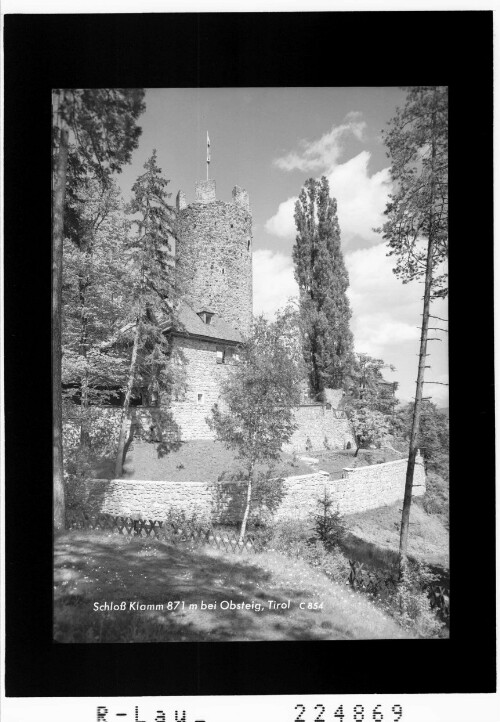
203,376
215,256
369,487
295,497
319,428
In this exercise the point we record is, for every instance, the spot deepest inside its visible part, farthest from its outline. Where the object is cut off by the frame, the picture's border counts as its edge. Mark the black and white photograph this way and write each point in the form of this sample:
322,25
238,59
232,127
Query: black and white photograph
251,421
249,388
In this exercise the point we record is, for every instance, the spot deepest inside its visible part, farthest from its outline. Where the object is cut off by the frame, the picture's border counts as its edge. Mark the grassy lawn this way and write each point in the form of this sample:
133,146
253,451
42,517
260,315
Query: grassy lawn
92,567
194,461
209,460
428,538
335,461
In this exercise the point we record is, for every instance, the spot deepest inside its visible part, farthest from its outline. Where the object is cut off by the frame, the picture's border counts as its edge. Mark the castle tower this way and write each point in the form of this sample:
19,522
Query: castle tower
214,253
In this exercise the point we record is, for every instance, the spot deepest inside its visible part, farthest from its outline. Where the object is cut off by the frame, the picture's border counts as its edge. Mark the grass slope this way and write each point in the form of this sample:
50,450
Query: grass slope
193,461
92,567
428,539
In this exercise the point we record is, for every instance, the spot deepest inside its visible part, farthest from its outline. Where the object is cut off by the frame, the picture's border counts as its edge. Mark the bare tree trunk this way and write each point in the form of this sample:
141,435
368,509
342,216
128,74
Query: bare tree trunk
57,267
415,426
247,506
125,420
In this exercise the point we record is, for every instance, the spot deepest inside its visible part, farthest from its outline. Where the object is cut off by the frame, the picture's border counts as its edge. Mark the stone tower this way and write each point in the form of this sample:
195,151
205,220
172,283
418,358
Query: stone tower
214,252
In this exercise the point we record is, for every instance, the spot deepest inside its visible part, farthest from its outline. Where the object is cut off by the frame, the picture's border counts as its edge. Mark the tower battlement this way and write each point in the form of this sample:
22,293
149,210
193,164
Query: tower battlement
205,191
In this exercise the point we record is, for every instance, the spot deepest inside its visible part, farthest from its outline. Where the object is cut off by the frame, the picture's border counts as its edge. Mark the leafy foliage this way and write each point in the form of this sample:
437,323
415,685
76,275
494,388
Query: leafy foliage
323,281
102,135
411,605
94,134
367,387
433,436
95,298
370,427
255,416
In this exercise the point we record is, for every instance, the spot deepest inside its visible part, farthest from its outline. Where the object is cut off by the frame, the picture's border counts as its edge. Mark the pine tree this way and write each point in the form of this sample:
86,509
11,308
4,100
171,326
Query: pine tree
156,290
417,227
323,281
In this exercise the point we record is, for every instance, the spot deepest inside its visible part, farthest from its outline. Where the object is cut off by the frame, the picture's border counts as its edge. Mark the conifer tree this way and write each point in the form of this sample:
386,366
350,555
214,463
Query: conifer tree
417,227
323,281
156,289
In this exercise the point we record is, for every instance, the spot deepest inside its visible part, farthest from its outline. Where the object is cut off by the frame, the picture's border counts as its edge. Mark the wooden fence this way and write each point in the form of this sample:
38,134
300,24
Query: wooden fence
184,534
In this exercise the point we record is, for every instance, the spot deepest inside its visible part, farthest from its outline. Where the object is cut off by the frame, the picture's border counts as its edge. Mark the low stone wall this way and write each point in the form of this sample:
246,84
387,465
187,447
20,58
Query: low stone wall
369,487
294,497
148,499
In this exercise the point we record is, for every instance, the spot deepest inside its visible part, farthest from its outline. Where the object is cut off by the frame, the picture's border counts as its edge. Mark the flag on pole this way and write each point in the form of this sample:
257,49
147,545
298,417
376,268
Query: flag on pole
208,148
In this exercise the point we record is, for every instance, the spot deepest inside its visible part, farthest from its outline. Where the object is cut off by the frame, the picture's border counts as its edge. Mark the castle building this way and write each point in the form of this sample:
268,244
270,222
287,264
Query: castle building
214,259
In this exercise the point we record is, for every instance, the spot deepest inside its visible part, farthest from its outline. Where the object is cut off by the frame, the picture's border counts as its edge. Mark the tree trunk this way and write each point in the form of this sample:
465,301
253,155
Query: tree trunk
57,267
84,385
125,420
415,426
247,507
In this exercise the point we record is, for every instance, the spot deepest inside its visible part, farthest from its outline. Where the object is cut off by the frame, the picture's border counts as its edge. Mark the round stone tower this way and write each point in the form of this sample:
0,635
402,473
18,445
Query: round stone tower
214,254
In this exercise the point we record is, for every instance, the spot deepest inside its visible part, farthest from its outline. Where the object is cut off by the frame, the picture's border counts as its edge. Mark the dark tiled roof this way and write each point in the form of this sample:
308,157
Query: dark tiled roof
189,323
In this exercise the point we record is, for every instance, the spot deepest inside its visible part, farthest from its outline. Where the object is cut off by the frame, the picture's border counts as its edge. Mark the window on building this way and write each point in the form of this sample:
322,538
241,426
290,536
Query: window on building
200,398
206,317
221,355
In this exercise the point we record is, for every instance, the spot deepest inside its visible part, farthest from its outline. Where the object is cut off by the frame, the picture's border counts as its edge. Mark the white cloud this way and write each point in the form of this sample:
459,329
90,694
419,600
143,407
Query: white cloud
317,155
385,312
282,224
386,318
361,198
273,281
361,201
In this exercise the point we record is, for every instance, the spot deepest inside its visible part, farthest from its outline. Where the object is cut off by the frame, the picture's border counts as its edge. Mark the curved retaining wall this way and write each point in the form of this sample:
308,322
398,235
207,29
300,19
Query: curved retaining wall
294,497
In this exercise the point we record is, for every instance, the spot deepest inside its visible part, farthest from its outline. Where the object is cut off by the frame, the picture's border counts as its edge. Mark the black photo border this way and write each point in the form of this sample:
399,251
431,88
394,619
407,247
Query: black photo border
230,50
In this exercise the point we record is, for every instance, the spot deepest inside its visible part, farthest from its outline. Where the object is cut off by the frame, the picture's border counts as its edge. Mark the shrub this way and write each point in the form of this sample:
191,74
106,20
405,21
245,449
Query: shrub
331,562
290,537
411,605
436,498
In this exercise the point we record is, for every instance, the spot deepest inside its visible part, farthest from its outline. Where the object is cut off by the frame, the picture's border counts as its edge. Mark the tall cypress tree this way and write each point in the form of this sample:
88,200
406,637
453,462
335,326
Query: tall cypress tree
322,277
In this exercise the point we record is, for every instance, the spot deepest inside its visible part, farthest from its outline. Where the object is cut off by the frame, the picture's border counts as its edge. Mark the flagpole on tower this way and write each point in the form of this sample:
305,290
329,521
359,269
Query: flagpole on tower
208,153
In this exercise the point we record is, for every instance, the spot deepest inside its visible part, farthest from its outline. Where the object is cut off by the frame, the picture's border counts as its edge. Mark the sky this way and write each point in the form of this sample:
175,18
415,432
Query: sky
269,141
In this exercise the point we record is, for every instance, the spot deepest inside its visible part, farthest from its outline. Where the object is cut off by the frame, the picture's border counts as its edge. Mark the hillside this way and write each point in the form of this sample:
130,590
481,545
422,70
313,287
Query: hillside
92,567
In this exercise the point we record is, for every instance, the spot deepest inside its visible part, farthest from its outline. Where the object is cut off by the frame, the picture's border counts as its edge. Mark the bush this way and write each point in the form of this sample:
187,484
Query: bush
331,562
291,537
410,604
436,498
